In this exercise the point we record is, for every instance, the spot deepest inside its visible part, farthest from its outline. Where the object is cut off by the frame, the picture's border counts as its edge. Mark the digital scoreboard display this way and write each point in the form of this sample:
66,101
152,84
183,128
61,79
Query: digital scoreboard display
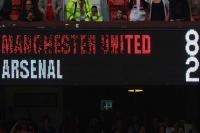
157,56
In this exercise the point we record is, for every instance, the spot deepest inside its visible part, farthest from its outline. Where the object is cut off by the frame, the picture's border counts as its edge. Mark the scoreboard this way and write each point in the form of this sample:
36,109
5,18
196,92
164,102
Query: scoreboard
100,56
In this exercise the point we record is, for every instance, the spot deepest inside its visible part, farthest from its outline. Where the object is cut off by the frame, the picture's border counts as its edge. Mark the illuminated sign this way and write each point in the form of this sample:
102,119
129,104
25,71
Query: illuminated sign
156,56
106,105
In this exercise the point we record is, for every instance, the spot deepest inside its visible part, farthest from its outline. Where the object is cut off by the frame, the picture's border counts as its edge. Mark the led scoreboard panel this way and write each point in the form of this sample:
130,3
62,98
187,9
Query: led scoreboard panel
100,56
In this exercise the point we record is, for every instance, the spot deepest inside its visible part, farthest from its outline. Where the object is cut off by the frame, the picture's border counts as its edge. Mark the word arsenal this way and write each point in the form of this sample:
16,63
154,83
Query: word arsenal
63,44
32,69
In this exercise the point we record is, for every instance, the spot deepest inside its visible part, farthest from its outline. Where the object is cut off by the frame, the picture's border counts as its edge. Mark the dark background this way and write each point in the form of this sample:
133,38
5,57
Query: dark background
175,102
